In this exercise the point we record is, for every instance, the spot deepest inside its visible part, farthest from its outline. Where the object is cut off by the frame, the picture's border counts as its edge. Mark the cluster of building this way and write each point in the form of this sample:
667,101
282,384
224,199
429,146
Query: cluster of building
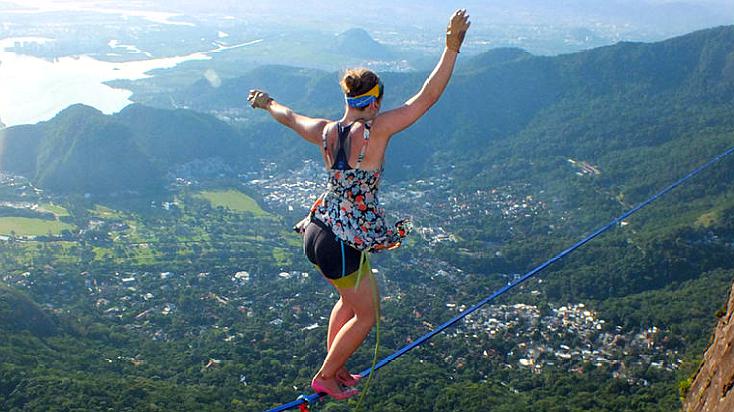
504,202
436,207
142,301
569,336
20,205
290,192
18,185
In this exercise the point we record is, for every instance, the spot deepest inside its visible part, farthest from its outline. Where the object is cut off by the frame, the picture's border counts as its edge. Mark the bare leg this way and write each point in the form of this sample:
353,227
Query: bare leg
346,341
340,315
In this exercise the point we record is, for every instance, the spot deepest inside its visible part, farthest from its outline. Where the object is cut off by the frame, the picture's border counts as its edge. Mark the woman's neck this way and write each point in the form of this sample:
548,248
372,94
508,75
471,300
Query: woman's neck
352,115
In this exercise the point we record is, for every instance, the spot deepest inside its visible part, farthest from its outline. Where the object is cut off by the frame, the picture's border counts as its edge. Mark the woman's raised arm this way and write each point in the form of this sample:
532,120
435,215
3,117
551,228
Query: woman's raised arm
395,120
307,127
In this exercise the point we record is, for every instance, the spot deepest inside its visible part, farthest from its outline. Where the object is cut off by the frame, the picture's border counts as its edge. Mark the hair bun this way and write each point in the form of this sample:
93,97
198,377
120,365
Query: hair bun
353,83
358,81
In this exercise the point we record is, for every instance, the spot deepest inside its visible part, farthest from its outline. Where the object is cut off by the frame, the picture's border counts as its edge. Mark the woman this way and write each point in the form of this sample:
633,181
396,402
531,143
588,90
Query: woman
346,221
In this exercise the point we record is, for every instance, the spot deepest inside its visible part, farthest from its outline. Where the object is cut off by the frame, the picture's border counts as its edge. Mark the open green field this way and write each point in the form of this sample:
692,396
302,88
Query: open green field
55,209
23,226
105,212
233,200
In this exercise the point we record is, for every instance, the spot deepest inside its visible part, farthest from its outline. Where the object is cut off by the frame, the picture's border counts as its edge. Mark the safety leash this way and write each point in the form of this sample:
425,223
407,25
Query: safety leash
376,301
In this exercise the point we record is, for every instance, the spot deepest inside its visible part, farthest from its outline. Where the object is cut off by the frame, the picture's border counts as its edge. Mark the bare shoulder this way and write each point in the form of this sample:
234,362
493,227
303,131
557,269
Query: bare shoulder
400,118
309,128
381,129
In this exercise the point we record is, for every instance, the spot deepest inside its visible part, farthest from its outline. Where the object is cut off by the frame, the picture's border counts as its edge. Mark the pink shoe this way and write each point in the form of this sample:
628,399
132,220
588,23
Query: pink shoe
352,381
341,395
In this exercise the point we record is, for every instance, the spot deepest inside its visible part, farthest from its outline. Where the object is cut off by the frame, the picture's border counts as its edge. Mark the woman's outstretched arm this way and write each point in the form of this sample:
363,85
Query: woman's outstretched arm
307,127
393,121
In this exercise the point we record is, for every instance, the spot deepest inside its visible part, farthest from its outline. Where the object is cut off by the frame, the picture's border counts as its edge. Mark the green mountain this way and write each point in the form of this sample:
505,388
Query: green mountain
590,104
176,137
82,150
285,82
79,150
358,42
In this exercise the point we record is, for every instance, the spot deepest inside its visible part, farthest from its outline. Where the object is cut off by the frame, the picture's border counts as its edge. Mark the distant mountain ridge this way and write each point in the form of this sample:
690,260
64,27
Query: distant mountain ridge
606,105
358,42
503,90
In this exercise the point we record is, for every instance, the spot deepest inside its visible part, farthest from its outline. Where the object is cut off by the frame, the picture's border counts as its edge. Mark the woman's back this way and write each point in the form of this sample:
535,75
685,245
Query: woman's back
356,141
350,206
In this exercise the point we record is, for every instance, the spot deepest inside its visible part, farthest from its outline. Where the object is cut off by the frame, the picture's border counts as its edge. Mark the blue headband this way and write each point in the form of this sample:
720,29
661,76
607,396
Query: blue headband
364,100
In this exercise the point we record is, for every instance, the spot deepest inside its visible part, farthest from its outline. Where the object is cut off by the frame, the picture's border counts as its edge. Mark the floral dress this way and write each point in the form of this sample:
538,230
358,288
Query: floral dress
351,209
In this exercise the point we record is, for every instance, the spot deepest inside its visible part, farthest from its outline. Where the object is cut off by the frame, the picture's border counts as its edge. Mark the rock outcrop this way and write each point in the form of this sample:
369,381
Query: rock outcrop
712,389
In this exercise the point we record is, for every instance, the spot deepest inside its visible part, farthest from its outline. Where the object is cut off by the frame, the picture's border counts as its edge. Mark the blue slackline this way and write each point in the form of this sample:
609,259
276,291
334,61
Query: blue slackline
310,399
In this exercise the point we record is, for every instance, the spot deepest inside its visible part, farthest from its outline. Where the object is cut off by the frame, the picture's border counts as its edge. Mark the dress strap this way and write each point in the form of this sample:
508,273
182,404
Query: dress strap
366,140
325,147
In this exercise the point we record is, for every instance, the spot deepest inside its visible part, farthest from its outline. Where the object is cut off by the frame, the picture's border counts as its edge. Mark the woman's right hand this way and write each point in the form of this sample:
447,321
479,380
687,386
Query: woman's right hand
259,99
455,32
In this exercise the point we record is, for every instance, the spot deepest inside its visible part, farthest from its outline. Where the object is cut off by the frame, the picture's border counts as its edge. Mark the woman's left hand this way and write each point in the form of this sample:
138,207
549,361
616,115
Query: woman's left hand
259,99
455,32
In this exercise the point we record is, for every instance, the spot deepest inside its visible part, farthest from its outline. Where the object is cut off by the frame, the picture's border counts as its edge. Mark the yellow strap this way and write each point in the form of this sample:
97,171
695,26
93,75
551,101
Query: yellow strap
376,301
362,259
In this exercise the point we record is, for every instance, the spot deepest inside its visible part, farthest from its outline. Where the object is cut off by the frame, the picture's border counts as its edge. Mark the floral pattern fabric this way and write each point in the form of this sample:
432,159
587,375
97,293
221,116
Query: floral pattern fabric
350,207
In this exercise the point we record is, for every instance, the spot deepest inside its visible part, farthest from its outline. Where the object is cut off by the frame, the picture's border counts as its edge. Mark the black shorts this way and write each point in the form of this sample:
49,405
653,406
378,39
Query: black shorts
334,258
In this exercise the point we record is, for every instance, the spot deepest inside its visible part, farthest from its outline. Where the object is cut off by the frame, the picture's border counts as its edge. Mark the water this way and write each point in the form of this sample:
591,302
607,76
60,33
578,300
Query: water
34,89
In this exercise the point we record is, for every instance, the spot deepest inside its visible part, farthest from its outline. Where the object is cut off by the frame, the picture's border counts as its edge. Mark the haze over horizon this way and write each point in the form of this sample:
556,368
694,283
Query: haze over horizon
643,20
109,34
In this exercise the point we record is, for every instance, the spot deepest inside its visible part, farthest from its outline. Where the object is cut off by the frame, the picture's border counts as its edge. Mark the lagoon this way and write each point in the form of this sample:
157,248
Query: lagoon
34,89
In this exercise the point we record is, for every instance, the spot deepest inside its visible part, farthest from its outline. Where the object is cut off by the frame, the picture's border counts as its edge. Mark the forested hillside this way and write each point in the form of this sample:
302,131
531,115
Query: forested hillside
189,292
82,150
